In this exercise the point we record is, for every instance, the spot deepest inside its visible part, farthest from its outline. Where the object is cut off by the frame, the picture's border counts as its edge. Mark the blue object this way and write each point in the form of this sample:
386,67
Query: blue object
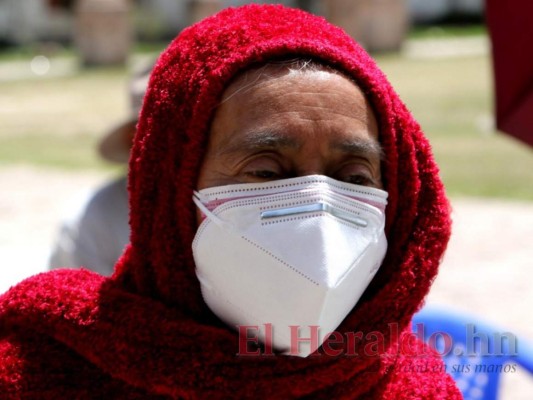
475,352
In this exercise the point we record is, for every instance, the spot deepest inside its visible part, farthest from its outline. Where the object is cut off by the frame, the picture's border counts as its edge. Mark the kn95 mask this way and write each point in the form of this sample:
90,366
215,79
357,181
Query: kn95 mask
290,253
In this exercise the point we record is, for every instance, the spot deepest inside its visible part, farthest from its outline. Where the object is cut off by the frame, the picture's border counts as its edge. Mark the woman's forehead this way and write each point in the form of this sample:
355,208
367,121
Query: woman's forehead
289,73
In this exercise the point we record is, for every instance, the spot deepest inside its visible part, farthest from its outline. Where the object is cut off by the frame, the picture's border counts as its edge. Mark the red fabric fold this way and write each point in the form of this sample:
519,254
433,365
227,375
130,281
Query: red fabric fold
146,332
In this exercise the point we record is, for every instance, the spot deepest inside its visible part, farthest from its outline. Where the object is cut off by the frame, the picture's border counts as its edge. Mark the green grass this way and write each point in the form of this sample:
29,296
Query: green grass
51,50
453,100
446,31
56,122
27,52
491,166
72,153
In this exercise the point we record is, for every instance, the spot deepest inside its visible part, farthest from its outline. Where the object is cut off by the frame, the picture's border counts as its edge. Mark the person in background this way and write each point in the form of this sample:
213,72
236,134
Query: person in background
279,190
95,235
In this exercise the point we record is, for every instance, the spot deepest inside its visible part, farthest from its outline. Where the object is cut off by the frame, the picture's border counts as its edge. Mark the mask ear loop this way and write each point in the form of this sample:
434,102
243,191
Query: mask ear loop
210,215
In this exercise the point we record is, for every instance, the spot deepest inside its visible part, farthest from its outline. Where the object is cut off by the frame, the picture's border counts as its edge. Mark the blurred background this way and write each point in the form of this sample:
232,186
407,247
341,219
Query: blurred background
64,71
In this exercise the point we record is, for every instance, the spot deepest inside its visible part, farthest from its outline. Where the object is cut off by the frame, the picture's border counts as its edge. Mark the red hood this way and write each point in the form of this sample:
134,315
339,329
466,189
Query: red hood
185,87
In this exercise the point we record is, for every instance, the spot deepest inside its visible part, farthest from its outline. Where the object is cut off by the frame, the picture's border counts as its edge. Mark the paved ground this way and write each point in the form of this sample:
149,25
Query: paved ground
487,270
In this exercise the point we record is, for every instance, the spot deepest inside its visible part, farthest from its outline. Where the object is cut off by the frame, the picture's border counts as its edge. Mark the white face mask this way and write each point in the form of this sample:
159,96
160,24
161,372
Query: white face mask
294,252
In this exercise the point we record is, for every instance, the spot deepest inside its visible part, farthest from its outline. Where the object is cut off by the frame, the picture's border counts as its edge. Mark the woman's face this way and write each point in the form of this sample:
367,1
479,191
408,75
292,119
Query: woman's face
275,126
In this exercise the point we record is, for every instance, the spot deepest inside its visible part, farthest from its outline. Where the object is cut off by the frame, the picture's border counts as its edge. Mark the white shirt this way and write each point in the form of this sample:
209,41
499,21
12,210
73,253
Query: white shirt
95,236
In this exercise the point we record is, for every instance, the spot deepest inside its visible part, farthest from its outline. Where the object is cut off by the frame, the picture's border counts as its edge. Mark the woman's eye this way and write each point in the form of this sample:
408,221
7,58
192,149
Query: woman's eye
264,174
360,180
357,174
263,169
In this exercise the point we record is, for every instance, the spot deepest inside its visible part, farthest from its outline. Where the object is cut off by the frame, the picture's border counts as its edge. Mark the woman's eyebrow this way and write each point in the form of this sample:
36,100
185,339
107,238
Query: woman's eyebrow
256,140
360,147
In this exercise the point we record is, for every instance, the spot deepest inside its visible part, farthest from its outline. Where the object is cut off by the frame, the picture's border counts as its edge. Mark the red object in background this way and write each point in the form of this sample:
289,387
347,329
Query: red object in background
510,26
61,4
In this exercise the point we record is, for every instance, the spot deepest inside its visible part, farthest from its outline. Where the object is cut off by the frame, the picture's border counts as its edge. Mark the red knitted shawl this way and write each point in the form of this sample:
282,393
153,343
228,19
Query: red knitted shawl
146,333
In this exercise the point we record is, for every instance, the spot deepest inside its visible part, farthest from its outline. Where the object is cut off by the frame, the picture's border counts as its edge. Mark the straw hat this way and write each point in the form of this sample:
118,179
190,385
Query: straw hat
115,145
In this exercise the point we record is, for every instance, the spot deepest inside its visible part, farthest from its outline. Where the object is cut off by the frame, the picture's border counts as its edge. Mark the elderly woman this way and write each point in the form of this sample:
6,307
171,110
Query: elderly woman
279,192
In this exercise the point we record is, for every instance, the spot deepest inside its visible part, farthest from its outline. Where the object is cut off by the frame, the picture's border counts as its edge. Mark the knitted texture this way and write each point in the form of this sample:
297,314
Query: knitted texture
146,332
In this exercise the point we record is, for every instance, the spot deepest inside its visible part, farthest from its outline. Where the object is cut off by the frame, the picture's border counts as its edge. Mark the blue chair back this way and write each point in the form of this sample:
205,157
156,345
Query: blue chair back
476,353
